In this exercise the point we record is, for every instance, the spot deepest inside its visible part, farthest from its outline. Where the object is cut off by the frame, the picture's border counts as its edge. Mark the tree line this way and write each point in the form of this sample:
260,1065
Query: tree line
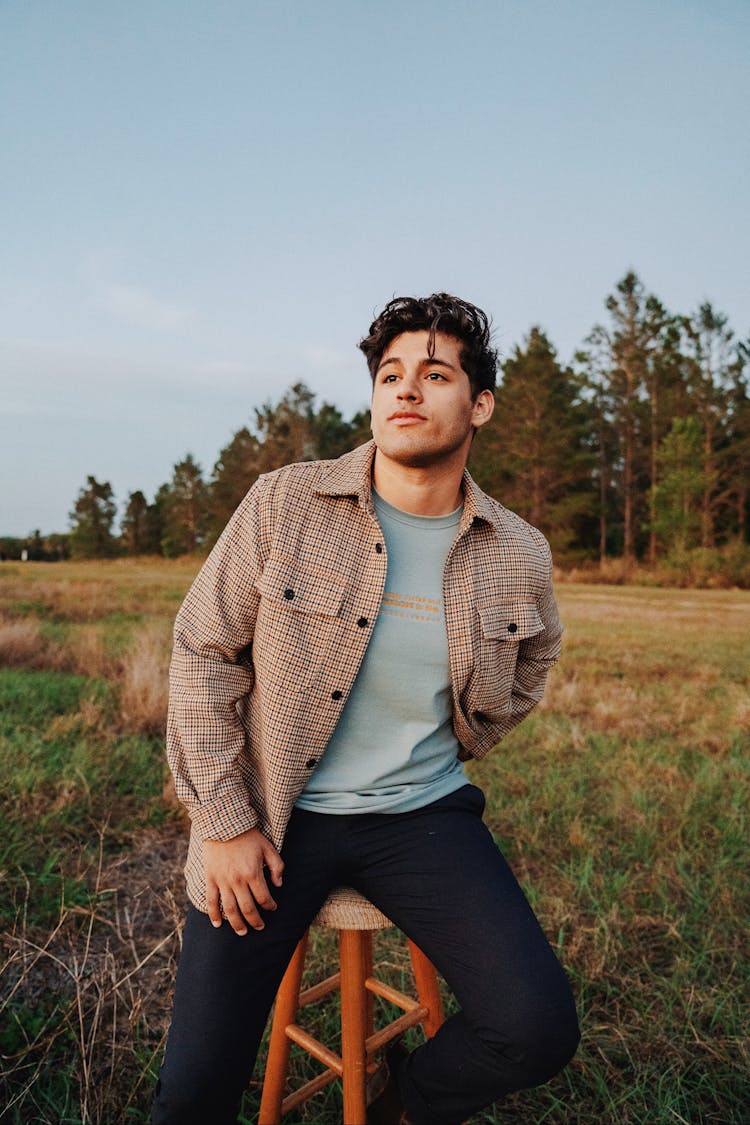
188,513
637,450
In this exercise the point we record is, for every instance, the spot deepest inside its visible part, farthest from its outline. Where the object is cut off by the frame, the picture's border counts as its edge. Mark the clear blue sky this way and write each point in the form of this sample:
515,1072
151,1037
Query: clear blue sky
201,203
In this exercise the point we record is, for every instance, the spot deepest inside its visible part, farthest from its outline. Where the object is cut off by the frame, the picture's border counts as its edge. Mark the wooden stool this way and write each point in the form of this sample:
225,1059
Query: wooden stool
355,918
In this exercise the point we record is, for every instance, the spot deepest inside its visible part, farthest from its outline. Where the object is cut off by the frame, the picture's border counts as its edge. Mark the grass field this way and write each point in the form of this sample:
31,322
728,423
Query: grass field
621,804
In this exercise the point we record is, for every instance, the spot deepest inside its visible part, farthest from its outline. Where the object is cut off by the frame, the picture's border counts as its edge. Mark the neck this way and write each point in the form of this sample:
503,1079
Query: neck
421,491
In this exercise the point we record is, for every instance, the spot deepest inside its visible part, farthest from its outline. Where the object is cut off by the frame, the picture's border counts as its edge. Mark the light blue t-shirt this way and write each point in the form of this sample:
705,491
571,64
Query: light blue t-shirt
394,748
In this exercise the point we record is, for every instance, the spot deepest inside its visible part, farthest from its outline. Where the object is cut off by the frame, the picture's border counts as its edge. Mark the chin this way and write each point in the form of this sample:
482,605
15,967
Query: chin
416,456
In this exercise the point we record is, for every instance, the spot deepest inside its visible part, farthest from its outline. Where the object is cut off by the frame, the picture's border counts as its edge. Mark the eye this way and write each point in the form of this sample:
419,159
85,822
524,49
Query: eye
436,375
389,378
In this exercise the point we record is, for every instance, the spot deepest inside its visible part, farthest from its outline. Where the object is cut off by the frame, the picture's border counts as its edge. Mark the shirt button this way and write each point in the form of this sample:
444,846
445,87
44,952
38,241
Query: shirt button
310,763
512,628
363,622
337,694
289,594
379,548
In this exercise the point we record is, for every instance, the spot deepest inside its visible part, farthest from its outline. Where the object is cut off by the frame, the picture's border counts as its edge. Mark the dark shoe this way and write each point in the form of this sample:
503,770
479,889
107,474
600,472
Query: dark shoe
384,1105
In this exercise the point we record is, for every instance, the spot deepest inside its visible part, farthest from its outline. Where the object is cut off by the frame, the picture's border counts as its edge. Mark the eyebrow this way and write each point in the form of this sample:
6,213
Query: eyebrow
434,362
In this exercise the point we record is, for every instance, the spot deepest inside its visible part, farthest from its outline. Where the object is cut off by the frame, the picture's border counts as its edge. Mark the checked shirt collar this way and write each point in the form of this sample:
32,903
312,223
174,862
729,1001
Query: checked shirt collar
351,475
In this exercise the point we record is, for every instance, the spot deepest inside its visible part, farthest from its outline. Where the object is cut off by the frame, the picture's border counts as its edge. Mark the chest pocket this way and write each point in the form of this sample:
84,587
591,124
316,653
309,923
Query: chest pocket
304,592
510,621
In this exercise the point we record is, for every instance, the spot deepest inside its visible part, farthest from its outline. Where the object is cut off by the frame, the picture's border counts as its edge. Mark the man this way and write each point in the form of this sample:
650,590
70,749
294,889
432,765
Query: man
361,627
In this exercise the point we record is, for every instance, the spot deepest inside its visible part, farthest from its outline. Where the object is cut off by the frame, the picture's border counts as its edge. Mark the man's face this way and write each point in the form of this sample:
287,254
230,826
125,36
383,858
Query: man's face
422,410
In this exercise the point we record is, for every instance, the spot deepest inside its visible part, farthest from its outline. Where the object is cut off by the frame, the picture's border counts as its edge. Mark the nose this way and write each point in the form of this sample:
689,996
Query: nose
409,390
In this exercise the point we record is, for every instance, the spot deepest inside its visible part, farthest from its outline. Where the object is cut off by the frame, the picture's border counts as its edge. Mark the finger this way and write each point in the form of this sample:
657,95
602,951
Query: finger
246,904
274,863
233,912
212,904
261,894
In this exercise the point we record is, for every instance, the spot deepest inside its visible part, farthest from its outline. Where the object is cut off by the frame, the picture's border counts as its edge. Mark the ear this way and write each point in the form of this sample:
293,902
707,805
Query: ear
482,408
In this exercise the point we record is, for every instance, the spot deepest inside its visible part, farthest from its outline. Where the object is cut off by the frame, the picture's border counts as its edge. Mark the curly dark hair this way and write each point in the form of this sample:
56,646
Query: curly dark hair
440,312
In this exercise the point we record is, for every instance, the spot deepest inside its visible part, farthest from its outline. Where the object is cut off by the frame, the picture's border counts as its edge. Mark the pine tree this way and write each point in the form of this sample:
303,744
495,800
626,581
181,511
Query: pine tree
533,454
736,456
91,521
332,433
238,466
625,368
714,360
154,521
287,431
133,528
185,510
678,496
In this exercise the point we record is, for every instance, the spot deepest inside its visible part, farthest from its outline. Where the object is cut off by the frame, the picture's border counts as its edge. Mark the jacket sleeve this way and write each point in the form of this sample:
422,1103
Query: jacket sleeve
536,655
211,670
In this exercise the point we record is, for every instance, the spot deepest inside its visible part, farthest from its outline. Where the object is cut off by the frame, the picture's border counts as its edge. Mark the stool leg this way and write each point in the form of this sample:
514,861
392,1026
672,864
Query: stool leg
428,992
369,998
285,1012
353,946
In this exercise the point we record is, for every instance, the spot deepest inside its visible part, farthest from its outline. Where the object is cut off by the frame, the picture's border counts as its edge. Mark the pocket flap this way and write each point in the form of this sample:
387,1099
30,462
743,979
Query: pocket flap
510,621
301,592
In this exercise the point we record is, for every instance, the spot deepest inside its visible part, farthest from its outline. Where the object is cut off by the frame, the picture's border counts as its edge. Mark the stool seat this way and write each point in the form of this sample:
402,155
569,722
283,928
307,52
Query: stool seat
355,919
347,909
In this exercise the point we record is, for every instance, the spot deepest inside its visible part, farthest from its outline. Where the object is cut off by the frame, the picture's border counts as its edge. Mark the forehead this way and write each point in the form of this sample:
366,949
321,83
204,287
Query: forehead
414,347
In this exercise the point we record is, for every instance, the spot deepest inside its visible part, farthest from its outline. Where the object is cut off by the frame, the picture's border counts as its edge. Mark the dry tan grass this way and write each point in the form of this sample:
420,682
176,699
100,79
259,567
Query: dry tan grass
90,591
21,644
64,600
113,623
90,717
85,651
110,968
144,682
653,663
721,568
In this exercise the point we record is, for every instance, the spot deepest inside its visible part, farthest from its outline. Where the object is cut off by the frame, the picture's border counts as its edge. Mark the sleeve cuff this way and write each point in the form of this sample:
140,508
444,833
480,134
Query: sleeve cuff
226,817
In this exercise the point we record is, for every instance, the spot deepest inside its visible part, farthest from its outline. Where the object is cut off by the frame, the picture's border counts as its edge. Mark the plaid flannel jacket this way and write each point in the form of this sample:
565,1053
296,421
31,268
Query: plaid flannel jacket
272,633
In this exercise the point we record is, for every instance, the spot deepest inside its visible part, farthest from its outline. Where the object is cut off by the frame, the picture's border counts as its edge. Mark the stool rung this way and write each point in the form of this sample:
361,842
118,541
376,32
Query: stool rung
390,1031
357,1018
315,1048
291,1101
400,999
319,990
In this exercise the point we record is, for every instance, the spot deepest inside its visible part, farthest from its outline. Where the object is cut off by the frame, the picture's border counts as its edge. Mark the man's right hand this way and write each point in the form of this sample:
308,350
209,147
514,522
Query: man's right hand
235,878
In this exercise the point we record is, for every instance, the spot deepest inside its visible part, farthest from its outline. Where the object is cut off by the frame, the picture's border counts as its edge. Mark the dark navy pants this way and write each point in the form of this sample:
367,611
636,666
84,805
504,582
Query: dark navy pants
437,873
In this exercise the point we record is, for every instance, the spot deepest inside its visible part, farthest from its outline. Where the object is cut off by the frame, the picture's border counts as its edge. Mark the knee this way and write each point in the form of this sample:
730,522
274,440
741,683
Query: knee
553,1048
538,1043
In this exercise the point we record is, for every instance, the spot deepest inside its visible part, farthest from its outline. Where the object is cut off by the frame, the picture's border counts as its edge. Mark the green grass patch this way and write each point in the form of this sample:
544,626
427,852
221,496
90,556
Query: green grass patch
66,774
28,609
621,804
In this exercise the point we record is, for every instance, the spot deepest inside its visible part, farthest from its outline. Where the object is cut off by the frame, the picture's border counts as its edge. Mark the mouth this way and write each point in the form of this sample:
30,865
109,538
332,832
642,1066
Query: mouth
406,416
